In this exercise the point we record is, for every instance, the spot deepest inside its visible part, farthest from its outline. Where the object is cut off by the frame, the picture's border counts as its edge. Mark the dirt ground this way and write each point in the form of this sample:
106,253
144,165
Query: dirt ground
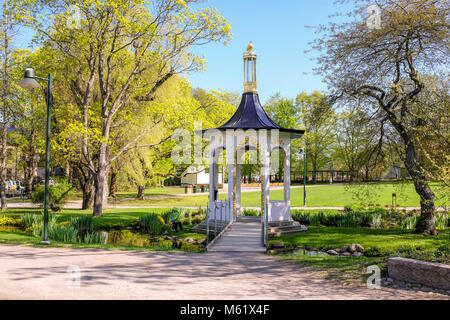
52,273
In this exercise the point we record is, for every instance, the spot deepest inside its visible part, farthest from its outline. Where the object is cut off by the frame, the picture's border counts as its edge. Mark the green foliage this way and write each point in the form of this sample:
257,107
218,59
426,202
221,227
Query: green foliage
409,222
196,220
351,218
376,217
152,223
83,224
166,216
59,194
376,242
442,221
94,238
33,223
9,221
64,233
30,219
251,212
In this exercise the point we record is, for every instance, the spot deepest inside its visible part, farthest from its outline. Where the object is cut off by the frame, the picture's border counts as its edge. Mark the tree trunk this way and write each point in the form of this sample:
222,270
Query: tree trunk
101,185
141,193
426,223
5,117
31,171
314,180
113,184
88,196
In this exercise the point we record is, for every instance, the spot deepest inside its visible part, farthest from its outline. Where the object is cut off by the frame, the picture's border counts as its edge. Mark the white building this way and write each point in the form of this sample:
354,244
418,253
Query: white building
198,175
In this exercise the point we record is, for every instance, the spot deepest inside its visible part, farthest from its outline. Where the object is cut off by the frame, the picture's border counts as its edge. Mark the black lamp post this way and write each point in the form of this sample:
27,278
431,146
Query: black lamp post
29,81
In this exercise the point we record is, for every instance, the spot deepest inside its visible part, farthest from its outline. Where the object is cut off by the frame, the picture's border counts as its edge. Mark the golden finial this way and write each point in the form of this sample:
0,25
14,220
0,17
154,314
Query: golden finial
250,47
250,69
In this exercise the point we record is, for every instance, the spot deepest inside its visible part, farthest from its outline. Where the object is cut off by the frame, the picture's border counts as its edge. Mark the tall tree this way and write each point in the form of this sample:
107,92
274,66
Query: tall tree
115,59
8,22
385,63
357,143
319,120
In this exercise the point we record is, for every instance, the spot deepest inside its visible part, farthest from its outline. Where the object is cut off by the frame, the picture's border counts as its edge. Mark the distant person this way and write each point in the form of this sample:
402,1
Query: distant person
331,180
176,220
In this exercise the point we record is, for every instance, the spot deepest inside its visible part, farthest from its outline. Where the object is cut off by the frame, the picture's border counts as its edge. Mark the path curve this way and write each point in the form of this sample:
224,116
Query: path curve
41,273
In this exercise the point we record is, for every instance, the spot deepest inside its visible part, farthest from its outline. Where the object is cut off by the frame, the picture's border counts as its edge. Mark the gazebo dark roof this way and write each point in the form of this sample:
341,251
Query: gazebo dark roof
251,115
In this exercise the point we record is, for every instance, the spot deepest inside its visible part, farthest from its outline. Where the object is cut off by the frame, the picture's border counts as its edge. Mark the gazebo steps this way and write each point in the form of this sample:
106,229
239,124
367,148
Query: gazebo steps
281,223
283,233
286,228
279,228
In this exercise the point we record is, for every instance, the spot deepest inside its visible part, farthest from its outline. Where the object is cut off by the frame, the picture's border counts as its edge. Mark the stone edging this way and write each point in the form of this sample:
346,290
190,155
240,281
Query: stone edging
219,236
436,275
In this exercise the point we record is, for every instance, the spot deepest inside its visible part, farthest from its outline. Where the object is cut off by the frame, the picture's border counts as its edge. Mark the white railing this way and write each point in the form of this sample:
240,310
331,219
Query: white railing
221,211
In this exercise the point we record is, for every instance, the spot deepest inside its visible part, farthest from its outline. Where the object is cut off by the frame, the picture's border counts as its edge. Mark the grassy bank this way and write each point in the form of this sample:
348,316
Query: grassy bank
113,220
379,244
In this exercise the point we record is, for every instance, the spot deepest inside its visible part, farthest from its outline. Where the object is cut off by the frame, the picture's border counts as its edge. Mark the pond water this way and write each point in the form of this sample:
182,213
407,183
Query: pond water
304,252
130,238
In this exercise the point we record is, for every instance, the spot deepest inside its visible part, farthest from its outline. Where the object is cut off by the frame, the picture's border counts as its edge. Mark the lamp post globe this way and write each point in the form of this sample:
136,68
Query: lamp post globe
29,79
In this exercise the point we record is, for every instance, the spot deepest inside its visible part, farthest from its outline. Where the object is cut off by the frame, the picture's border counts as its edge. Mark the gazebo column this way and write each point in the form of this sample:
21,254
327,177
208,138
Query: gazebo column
213,181
265,170
238,189
287,176
230,143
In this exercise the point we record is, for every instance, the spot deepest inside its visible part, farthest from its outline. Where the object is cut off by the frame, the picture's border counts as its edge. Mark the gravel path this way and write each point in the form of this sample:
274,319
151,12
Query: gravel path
41,273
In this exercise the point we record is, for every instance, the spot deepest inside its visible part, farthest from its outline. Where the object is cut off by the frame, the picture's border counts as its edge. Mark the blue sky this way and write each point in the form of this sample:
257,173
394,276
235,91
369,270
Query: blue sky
279,35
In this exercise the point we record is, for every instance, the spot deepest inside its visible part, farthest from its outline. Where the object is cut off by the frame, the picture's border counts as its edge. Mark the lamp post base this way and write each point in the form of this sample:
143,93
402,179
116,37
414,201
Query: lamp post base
45,242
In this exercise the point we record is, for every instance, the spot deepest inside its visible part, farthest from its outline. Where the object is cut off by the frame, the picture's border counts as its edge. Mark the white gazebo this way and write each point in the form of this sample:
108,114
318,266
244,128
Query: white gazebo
249,129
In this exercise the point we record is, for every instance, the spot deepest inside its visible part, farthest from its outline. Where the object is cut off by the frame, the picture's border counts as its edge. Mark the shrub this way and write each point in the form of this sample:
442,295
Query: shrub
30,219
65,233
9,221
442,221
166,216
196,220
94,238
83,224
302,217
59,193
251,213
410,222
374,252
152,223
350,220
33,222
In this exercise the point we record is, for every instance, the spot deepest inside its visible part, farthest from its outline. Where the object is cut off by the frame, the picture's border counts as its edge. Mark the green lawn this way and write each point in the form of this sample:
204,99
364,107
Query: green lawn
317,196
379,244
